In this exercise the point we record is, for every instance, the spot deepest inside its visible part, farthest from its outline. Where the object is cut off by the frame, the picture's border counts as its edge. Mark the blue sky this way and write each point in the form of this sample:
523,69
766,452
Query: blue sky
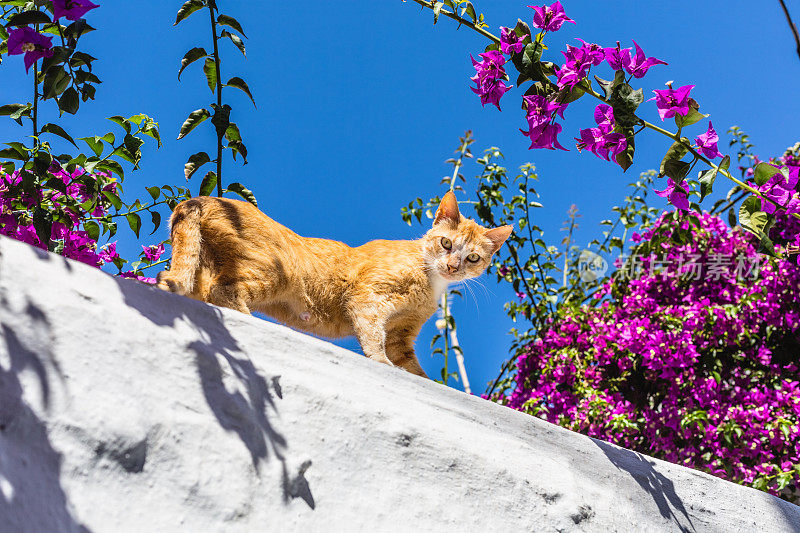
359,104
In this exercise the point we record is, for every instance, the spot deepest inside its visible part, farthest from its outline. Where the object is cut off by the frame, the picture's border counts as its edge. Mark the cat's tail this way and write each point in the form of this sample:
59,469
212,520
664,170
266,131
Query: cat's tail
186,243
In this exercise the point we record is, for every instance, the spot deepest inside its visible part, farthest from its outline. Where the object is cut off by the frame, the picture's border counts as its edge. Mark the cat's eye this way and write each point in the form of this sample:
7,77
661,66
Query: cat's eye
446,243
473,258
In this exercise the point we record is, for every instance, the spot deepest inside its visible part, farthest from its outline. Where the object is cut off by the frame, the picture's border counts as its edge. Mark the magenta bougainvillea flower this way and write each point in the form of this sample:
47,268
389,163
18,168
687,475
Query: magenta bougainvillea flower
153,253
33,44
636,65
675,194
510,42
138,277
541,128
672,101
604,115
602,141
541,110
109,252
545,136
707,143
491,92
490,67
488,77
71,9
578,62
550,18
665,346
639,64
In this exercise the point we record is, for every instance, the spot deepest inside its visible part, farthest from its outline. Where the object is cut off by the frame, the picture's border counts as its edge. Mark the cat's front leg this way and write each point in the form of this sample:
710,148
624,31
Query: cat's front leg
400,349
369,329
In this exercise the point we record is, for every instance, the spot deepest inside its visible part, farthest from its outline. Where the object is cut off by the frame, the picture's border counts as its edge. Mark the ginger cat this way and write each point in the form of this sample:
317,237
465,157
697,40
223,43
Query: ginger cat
229,253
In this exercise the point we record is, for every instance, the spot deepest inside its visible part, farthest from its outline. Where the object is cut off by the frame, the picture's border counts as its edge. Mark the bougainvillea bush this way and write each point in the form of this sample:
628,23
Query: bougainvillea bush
690,352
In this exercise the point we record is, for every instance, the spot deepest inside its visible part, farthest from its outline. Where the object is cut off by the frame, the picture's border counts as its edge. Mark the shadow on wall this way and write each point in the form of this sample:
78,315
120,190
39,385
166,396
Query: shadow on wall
217,355
658,486
791,513
31,496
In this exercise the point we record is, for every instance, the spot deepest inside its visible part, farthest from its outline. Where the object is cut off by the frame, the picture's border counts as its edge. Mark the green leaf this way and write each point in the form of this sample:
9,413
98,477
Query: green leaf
28,17
154,192
55,81
238,147
55,129
240,84
194,163
522,29
763,172
116,119
80,58
190,57
210,68
94,143
242,191
221,119
113,199
92,228
43,224
77,28
187,9
225,20
155,217
759,223
232,133
669,165
195,117
208,184
15,110
111,166
706,178
69,101
692,117
469,9
531,55
135,222
134,147
235,39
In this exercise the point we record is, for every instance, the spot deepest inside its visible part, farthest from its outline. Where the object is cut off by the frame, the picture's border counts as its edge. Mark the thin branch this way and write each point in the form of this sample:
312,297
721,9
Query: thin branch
461,21
791,26
211,6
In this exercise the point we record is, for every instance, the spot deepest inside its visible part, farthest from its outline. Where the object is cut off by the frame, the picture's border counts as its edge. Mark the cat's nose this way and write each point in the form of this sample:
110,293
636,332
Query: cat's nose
452,266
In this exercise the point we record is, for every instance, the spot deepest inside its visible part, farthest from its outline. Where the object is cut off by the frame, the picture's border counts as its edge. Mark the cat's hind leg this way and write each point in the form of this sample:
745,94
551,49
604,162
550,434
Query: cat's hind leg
231,295
186,245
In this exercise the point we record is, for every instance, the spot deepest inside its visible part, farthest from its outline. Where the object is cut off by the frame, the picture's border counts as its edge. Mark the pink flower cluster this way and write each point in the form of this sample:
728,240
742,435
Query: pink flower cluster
489,77
703,373
69,236
16,222
25,40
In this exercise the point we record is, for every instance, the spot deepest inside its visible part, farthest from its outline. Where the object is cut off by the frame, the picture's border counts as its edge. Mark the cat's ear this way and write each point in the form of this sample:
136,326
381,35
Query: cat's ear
448,209
498,236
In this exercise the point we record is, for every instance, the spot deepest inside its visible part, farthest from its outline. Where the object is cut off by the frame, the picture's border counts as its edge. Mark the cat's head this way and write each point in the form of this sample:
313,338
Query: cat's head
457,248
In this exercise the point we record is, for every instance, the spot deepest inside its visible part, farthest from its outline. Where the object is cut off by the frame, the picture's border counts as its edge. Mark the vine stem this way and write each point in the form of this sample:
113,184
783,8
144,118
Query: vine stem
461,21
211,6
444,305
35,118
791,25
